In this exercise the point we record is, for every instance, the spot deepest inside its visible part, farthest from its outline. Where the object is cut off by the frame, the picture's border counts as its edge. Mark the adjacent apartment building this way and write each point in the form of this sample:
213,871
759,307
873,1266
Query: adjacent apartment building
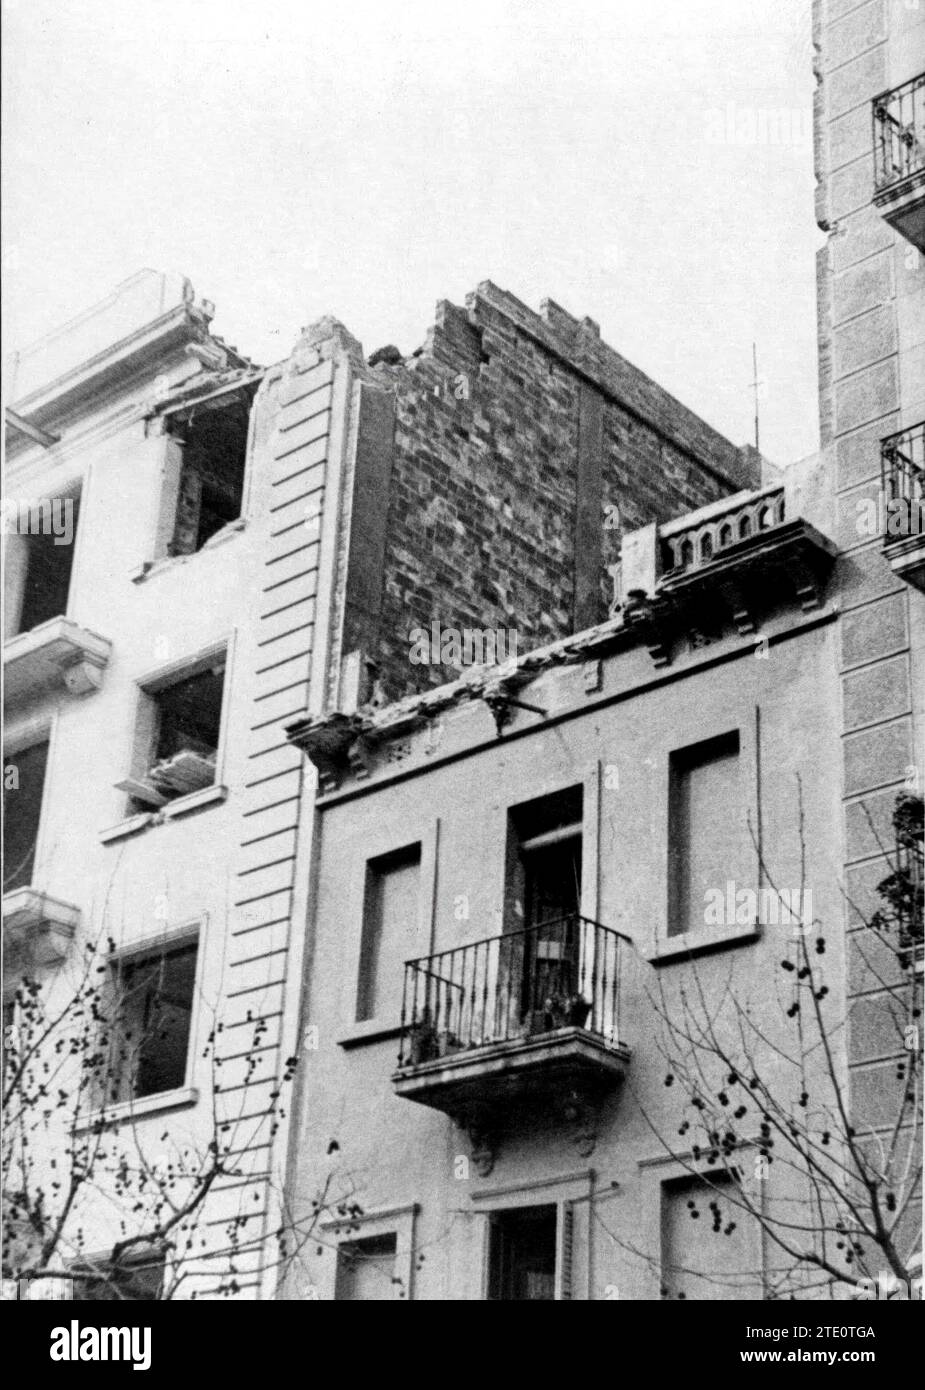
200,552
613,962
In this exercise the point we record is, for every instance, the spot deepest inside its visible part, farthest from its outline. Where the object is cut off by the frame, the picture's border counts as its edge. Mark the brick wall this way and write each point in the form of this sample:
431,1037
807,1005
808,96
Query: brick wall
514,433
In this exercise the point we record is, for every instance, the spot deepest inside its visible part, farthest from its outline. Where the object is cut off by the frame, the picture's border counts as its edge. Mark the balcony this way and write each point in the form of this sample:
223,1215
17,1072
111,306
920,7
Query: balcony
902,461
725,565
693,546
899,158
37,929
55,654
523,1022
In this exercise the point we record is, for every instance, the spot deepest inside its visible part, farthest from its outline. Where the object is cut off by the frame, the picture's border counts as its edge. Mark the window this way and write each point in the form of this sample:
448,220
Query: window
708,1245
211,482
137,1279
704,827
366,1269
522,1254
390,918
23,784
182,721
152,1018
49,558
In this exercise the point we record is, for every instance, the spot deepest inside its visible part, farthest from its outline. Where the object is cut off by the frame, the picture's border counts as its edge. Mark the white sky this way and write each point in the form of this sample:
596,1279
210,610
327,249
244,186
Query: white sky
367,159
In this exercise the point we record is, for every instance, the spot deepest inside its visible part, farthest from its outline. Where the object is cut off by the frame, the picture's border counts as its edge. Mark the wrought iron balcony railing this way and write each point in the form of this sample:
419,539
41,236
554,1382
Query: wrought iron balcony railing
705,541
560,974
899,133
902,462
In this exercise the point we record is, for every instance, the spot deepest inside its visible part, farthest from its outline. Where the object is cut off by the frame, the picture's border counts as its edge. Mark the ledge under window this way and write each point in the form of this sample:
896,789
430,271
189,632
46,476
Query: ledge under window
148,568
124,1110
194,801
671,949
371,1031
181,806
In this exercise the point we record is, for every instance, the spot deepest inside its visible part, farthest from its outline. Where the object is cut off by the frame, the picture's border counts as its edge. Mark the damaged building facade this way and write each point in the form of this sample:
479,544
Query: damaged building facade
412,950
537,885
201,551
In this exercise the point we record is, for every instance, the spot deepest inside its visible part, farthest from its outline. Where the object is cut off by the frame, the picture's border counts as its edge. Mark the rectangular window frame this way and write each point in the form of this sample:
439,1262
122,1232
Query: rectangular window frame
664,1171
660,1170
161,428
683,946
400,1221
573,1195
381,846
194,930
589,781
496,1239
78,488
370,949
143,733
681,764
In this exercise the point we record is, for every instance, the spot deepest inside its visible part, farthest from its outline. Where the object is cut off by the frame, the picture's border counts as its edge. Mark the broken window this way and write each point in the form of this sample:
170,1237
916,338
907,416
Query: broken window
186,718
49,561
211,484
152,1017
23,785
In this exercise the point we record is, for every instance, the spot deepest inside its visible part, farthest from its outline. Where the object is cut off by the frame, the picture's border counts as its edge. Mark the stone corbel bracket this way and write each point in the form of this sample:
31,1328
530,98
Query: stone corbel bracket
483,1148
83,675
652,620
58,652
500,695
327,741
340,744
582,1113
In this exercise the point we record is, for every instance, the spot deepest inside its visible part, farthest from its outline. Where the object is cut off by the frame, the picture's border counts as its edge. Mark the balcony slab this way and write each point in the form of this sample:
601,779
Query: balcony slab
37,929
54,654
480,1086
906,558
902,205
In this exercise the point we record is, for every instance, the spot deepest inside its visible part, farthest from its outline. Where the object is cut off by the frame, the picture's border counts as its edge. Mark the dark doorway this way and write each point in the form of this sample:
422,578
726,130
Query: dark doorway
539,963
552,881
544,859
522,1256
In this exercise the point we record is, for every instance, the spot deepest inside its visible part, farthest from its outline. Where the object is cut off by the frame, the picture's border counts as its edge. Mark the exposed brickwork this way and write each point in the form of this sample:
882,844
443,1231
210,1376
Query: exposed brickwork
483,505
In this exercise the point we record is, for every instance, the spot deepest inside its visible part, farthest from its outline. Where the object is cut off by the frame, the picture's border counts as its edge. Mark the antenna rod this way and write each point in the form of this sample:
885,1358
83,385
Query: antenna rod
755,384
